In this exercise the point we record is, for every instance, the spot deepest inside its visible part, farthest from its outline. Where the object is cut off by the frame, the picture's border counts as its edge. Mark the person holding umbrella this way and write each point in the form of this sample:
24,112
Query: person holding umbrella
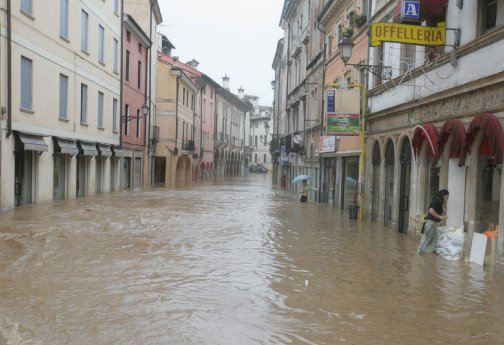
304,192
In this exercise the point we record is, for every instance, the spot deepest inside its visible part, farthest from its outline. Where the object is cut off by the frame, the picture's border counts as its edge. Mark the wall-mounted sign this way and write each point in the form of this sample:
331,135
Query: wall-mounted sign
327,144
410,34
410,10
292,157
283,154
343,111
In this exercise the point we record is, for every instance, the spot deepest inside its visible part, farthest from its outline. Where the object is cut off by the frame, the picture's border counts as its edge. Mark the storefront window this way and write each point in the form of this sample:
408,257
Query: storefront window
351,176
489,176
432,185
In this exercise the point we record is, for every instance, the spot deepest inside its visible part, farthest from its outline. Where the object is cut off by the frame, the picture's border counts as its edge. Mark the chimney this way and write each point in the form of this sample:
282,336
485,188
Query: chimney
225,82
241,92
193,63
166,45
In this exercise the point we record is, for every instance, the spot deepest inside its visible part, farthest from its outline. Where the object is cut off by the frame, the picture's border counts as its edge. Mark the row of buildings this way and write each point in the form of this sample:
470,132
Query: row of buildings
93,101
431,113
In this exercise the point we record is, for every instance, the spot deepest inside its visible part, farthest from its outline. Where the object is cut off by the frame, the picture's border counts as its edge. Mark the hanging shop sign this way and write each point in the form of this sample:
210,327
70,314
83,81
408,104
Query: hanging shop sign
409,34
343,111
410,10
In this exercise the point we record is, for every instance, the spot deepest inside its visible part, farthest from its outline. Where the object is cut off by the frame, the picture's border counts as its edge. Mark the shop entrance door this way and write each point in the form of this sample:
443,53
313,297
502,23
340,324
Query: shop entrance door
375,188
23,177
404,186
389,183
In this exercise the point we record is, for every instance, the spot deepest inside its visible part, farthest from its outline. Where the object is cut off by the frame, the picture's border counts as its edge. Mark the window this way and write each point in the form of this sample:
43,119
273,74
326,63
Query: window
140,48
26,6
192,102
101,44
26,83
83,108
126,120
64,18
183,96
100,109
127,65
116,6
116,55
138,124
488,14
264,158
63,97
139,74
128,36
84,31
114,115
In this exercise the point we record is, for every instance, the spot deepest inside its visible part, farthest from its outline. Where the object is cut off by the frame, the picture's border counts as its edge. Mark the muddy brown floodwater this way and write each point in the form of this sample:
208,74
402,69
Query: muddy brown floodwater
230,262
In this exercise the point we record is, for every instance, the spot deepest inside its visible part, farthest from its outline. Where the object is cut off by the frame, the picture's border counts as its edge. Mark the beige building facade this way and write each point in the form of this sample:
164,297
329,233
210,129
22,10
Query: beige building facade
60,87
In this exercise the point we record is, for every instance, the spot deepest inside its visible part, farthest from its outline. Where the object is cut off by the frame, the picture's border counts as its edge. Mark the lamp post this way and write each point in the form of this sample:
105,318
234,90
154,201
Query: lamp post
346,45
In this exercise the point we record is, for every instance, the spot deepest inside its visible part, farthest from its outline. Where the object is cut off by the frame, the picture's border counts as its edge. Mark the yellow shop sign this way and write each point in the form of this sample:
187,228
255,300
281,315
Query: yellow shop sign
411,34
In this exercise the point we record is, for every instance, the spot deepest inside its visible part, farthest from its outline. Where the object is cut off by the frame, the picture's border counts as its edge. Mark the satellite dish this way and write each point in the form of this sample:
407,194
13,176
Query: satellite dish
297,139
316,153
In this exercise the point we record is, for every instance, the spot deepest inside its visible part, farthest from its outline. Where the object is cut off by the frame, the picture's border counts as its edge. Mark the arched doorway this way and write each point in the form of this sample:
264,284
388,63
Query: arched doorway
389,182
404,185
375,189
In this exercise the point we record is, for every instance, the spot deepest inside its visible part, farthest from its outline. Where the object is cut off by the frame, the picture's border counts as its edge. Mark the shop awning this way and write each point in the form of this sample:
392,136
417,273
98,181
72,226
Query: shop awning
87,149
31,142
104,150
494,135
426,132
456,129
66,146
117,152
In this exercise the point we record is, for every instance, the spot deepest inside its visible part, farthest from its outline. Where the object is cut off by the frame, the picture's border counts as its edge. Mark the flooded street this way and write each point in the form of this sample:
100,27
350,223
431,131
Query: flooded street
230,262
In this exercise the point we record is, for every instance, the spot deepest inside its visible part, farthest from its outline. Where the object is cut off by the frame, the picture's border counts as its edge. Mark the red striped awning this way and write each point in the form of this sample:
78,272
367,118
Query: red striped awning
430,133
492,143
456,129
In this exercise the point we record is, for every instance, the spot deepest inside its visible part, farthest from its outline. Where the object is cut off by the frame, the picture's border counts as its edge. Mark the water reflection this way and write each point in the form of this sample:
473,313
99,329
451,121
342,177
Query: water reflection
236,262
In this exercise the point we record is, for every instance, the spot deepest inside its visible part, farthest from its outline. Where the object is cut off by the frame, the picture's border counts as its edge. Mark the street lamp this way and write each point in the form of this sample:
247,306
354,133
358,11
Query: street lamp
346,45
145,109
261,138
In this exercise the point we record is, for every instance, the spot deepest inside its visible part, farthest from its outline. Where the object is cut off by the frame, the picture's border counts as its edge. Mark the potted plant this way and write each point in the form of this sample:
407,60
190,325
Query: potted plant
348,31
358,19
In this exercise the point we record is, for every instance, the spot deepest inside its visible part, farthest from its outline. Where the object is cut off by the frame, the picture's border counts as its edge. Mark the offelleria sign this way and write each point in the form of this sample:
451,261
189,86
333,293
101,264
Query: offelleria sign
410,34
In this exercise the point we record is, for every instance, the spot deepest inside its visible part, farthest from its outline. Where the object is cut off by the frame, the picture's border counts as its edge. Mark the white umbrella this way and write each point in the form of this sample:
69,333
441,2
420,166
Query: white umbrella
300,178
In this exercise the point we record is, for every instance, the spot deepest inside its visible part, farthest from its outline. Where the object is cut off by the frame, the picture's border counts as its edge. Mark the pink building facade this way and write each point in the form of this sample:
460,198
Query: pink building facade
134,99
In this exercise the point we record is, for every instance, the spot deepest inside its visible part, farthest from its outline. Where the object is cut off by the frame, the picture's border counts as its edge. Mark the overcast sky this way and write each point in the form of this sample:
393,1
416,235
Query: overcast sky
233,37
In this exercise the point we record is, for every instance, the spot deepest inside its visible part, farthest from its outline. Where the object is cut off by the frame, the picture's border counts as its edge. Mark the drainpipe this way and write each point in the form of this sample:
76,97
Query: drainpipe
9,70
201,122
121,77
148,83
322,127
176,113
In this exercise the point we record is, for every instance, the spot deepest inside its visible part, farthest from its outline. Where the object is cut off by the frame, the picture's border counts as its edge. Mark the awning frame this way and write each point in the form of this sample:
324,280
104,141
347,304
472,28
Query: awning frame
104,150
87,148
31,142
66,146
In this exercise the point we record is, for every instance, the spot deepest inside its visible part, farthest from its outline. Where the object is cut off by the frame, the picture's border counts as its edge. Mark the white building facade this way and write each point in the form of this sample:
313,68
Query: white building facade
438,123
60,87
